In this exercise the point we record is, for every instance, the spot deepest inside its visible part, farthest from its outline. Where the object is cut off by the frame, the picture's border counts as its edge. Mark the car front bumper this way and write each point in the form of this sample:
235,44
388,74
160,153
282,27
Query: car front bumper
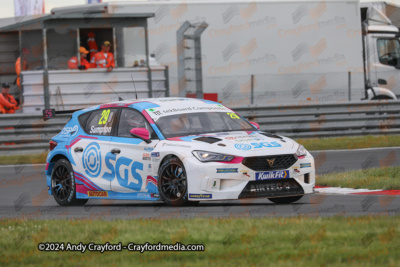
223,181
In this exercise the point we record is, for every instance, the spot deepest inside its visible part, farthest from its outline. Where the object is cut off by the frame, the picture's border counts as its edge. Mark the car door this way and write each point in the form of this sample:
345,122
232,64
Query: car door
129,158
89,149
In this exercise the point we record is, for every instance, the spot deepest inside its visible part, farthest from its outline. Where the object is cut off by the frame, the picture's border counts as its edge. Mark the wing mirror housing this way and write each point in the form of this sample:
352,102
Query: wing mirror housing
141,133
255,124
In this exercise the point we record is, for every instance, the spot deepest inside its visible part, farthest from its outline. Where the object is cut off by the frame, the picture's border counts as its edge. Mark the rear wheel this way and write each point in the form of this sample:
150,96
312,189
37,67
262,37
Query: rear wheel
63,184
284,200
172,182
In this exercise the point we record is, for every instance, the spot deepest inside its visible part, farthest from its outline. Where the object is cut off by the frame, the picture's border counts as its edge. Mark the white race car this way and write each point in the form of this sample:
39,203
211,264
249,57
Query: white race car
176,150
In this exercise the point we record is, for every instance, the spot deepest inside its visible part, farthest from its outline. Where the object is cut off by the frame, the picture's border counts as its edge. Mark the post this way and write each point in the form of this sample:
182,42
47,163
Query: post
115,47
349,78
180,49
45,70
78,41
166,73
150,82
20,75
252,90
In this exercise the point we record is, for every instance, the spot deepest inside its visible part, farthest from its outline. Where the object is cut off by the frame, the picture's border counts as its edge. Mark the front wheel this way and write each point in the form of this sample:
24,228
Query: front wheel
63,184
172,183
284,200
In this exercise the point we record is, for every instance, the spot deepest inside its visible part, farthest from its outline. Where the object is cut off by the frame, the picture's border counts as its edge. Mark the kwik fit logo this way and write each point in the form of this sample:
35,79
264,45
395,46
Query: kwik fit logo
272,175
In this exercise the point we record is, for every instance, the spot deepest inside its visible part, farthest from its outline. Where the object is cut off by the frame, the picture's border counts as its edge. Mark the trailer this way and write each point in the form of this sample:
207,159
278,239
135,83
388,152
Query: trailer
286,52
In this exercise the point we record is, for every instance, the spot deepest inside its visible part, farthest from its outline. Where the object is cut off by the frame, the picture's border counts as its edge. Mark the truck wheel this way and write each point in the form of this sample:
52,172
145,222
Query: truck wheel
63,184
172,182
284,200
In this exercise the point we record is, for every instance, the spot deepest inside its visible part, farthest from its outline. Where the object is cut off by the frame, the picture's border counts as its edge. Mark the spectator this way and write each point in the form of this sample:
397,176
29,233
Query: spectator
73,62
7,101
91,41
18,67
104,59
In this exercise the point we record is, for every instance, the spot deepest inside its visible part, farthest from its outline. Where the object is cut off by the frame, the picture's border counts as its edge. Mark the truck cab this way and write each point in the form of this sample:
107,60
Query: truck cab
381,55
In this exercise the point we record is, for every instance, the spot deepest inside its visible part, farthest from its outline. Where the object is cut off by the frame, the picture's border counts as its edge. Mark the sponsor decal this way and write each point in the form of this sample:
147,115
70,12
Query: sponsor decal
155,154
227,170
100,130
272,175
155,195
169,100
146,156
177,145
148,149
243,147
155,159
200,196
245,172
247,140
68,130
257,145
97,193
91,160
143,194
262,188
125,170
305,165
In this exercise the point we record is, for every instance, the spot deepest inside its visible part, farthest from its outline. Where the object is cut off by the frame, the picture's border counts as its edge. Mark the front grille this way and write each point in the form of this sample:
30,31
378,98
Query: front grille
263,163
272,188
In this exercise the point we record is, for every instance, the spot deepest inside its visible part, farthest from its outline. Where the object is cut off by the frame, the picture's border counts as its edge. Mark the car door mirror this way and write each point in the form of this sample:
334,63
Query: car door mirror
141,133
255,124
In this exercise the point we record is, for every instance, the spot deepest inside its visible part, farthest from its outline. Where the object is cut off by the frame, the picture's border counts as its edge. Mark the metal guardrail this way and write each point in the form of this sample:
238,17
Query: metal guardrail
30,134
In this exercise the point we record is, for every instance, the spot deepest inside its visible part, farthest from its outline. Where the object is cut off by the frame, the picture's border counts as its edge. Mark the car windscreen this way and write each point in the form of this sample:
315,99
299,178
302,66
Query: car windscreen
201,123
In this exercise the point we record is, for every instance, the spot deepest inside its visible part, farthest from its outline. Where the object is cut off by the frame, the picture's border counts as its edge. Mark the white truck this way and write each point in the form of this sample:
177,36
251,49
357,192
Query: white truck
280,52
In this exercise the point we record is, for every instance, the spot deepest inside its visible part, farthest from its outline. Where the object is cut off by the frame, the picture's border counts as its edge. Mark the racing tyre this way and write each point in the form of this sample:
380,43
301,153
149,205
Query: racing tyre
172,183
284,200
63,184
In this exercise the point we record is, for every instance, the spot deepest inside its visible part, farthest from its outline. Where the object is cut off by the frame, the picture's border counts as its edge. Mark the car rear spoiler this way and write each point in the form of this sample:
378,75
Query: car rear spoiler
51,113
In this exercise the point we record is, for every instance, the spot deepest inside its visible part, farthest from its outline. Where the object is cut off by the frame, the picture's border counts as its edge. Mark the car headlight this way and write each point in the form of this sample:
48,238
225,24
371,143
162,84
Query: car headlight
205,156
301,151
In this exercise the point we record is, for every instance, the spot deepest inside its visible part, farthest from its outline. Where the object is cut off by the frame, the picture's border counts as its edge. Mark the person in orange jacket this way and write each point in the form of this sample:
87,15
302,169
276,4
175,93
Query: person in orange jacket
19,68
8,104
91,41
104,59
73,62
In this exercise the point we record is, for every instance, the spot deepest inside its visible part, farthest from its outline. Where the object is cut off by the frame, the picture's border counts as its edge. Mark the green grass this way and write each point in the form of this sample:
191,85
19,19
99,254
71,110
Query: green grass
382,178
352,142
293,241
23,159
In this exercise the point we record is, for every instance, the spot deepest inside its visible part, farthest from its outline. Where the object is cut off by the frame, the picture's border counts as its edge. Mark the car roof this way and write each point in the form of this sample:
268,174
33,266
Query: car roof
165,101
148,103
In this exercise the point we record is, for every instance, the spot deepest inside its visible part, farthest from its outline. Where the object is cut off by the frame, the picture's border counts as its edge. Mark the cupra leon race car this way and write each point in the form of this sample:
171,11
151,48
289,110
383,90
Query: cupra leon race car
176,150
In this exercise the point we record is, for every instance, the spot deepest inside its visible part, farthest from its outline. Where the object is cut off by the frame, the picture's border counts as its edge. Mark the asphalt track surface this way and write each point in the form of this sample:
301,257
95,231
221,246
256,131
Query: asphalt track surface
23,194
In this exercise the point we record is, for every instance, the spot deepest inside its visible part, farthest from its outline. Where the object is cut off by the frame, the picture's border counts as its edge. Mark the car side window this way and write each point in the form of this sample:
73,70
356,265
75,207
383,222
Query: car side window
130,119
101,122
